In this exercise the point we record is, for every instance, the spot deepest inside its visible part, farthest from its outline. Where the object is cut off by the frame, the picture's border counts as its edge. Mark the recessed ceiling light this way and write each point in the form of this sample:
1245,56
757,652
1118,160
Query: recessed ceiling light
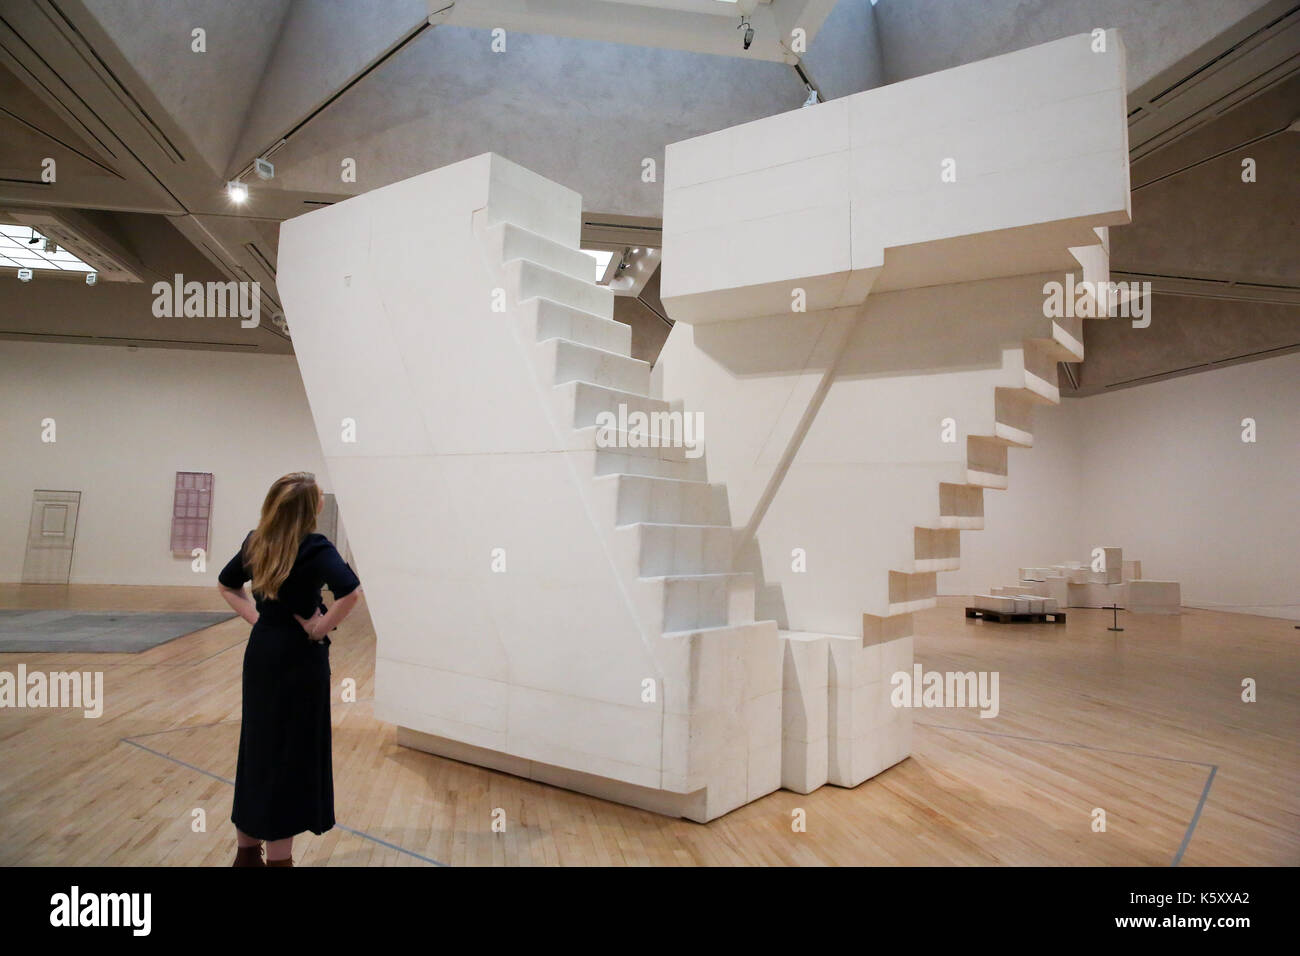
237,191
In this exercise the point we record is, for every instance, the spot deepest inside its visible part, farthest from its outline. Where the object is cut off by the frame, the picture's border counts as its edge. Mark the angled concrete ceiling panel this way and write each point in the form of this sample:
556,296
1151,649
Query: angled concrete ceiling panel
581,112
1187,334
1205,222
1264,116
924,36
323,46
844,58
206,94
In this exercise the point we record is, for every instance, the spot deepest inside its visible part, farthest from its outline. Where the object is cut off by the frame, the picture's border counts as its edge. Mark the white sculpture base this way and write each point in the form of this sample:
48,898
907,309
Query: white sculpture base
691,806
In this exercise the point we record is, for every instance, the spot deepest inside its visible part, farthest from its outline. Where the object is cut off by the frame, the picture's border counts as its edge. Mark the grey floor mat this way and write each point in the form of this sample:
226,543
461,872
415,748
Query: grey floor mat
105,632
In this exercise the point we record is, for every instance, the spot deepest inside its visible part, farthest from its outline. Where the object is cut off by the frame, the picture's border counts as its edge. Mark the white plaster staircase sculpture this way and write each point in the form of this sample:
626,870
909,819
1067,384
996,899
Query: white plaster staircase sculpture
543,604
586,615
840,300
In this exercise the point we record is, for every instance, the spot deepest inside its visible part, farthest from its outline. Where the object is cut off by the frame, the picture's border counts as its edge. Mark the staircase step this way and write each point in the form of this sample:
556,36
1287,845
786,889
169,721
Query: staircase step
986,462
695,601
668,549
618,456
961,506
1064,343
878,630
551,320
713,631
669,501
531,280
1040,373
591,400
1013,417
513,242
575,362
936,549
910,592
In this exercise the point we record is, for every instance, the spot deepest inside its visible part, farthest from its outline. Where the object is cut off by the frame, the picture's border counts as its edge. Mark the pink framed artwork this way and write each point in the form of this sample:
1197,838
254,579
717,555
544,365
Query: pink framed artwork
191,512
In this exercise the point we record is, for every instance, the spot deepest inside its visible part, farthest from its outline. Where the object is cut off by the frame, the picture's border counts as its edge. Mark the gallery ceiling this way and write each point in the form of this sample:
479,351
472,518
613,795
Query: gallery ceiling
143,161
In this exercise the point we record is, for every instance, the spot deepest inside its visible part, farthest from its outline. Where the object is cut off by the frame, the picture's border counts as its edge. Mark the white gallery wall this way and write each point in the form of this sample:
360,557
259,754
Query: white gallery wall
126,422
1168,478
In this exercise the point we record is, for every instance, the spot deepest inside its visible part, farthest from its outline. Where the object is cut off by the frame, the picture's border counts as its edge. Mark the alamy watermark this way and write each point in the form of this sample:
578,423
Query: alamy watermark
638,429
75,689
1093,300
946,689
76,908
208,300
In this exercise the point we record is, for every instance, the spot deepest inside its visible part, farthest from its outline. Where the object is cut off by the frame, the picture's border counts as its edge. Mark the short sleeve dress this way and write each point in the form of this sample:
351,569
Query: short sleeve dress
284,780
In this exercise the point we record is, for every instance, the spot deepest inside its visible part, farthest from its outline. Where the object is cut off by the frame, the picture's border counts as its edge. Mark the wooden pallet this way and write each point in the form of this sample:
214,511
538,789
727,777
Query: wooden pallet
998,617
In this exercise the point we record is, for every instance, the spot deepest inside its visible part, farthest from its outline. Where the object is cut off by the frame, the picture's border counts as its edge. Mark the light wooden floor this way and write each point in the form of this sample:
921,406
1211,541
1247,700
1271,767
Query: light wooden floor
1136,723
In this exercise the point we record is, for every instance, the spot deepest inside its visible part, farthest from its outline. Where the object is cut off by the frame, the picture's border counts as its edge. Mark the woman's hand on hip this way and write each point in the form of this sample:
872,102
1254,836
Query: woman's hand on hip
312,625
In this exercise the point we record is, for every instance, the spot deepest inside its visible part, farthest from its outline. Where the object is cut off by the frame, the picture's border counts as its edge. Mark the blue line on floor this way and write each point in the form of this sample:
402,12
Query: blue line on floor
1195,817
1205,793
190,766
392,846
346,829
215,723
177,730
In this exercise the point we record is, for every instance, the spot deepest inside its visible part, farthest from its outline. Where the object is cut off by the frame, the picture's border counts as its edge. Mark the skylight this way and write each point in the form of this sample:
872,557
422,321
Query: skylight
602,257
18,252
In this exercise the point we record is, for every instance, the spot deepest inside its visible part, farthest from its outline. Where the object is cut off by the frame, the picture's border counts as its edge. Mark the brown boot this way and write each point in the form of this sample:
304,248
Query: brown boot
287,861
249,856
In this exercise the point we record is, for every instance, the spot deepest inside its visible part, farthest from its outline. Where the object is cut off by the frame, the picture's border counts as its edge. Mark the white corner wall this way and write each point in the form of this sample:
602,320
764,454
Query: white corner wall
127,421
1168,478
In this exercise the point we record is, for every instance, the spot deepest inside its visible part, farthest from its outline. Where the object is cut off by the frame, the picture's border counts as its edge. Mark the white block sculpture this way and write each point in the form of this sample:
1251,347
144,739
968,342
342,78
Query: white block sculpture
1154,597
562,602
1118,583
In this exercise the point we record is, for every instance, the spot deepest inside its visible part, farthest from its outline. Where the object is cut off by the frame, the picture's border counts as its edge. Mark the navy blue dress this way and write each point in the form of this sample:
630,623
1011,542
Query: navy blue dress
284,781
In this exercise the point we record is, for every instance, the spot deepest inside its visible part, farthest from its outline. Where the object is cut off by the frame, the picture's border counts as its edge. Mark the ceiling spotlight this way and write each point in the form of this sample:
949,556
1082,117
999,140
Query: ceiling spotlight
747,8
24,275
34,239
237,191
92,278
264,168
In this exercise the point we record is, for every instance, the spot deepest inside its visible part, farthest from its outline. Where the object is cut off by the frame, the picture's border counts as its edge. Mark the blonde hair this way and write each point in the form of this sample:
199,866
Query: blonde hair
288,516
